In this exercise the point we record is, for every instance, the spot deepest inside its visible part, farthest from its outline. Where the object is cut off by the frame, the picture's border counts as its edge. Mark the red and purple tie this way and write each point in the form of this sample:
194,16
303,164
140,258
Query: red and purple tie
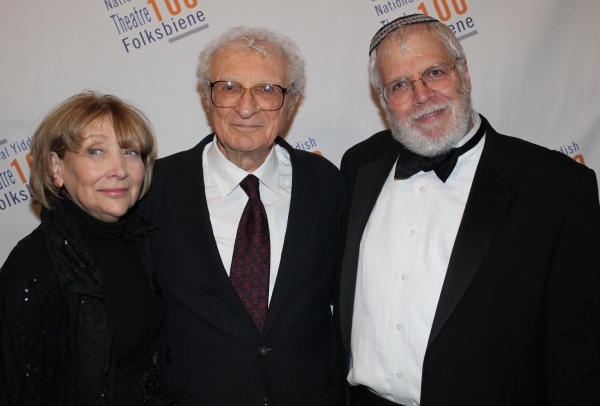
251,262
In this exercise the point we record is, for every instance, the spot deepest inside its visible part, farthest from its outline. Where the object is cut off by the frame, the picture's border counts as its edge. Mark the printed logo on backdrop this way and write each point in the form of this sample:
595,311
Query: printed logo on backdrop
572,150
15,161
454,13
309,145
143,23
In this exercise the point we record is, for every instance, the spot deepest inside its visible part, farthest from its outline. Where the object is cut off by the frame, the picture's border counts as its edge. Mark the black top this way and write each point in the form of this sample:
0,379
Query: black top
57,345
136,313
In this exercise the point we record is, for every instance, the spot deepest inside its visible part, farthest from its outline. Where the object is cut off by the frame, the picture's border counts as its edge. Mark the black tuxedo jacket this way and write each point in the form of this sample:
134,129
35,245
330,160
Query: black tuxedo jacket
518,318
217,353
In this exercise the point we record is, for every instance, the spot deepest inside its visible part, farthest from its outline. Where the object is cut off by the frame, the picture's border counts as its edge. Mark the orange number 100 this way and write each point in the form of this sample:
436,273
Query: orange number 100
443,11
173,6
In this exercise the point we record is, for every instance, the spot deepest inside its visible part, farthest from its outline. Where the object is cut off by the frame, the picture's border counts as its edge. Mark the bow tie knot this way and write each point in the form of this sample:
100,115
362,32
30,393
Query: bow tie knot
410,163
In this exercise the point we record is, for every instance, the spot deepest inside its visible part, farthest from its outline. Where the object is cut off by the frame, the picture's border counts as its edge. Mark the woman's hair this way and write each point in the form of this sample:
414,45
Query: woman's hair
63,130
261,40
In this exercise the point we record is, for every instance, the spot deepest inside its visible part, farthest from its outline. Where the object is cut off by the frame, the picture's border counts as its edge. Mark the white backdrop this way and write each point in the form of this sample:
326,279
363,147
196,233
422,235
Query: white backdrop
533,66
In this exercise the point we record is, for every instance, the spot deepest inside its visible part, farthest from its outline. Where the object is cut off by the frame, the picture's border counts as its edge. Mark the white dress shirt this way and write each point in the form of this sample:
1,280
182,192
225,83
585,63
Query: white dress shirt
404,255
226,200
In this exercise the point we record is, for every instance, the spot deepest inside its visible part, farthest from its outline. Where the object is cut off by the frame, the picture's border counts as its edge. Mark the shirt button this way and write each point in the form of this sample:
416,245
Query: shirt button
404,277
399,376
262,350
422,188
413,232
398,326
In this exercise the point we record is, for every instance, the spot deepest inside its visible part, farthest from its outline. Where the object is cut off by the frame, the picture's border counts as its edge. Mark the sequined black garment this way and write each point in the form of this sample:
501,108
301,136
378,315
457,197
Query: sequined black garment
56,343
144,392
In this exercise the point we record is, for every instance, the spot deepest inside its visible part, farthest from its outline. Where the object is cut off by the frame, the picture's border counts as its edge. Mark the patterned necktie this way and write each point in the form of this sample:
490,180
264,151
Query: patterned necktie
410,163
251,261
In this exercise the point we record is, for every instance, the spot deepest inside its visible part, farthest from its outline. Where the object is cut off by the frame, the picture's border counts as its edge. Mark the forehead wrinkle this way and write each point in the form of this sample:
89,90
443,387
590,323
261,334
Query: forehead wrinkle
413,56
225,52
229,60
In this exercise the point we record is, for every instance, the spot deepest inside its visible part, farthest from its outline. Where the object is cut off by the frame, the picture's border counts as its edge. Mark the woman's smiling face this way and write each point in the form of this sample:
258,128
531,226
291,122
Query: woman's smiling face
102,178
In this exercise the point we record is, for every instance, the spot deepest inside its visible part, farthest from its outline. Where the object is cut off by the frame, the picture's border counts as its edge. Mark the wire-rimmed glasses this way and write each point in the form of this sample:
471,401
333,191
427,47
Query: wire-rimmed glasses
399,91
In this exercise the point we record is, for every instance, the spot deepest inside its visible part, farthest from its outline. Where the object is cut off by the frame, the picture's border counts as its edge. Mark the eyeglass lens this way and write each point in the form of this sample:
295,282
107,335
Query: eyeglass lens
266,97
437,77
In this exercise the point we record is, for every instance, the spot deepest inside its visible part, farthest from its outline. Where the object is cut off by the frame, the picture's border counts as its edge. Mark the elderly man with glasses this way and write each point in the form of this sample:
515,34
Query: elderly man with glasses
245,250
471,263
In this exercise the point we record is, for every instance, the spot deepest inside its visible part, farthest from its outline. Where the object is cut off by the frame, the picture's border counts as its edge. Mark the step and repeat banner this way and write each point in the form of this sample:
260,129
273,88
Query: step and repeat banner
533,66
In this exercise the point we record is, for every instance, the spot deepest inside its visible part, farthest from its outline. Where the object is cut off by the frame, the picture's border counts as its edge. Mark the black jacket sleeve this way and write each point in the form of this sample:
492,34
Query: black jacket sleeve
29,314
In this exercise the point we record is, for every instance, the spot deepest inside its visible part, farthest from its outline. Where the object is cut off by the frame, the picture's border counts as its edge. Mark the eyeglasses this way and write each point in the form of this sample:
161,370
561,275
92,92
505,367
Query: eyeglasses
398,91
224,93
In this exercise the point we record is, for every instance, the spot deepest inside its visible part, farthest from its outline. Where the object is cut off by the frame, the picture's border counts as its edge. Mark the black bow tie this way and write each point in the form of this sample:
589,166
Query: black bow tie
410,163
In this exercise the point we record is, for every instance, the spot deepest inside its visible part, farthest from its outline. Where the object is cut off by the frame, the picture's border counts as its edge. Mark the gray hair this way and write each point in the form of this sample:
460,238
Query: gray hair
441,30
259,39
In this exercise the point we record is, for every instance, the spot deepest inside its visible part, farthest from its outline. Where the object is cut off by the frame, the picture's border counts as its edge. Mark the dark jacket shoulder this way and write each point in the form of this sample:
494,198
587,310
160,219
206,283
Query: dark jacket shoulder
29,259
318,164
534,154
193,155
370,149
510,155
318,161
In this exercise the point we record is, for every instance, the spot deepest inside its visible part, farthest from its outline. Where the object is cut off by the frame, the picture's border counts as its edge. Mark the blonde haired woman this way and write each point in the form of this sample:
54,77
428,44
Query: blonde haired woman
80,319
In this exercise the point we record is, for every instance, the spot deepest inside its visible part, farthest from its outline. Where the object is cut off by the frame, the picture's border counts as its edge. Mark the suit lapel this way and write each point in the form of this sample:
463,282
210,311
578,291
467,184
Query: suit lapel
489,201
300,224
369,182
198,228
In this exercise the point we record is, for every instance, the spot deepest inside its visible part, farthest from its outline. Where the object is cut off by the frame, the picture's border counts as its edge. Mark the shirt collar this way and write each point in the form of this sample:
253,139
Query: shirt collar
228,176
476,124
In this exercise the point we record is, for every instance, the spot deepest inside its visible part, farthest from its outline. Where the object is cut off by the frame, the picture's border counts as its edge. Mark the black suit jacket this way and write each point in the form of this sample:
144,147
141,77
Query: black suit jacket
518,319
217,353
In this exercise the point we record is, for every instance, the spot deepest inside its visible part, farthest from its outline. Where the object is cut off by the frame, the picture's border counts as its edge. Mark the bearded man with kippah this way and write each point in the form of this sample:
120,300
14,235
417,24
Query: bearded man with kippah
470,270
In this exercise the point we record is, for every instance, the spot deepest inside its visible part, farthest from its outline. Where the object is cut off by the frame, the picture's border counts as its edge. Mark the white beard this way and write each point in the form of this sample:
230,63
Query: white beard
418,141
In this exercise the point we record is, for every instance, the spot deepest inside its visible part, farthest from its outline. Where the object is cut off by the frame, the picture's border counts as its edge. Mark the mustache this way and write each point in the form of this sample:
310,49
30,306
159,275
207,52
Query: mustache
430,109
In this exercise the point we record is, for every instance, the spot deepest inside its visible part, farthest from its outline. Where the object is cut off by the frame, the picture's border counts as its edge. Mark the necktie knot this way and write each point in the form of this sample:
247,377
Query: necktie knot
250,185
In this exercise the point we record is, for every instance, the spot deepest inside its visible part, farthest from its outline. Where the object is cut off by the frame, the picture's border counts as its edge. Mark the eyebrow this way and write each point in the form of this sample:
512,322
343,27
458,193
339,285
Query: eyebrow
432,66
263,82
